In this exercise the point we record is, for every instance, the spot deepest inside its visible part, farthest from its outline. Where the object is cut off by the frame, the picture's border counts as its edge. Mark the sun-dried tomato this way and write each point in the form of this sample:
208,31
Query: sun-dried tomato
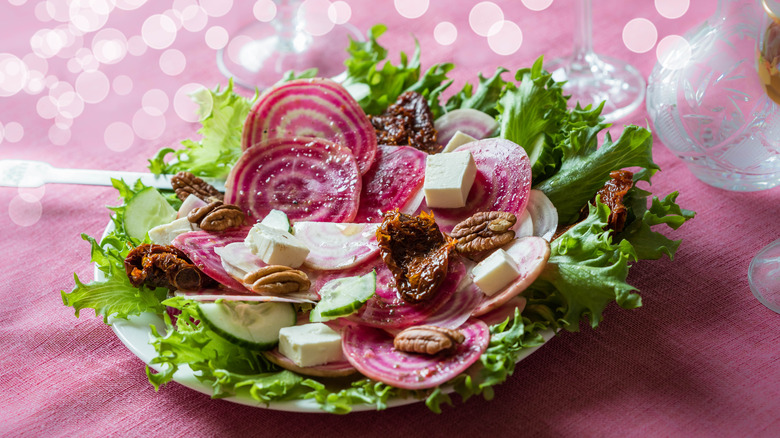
416,252
163,266
408,121
612,196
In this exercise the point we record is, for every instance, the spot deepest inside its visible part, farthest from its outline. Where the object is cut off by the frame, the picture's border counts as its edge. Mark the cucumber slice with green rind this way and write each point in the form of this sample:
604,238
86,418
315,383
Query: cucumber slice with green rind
343,296
252,325
146,210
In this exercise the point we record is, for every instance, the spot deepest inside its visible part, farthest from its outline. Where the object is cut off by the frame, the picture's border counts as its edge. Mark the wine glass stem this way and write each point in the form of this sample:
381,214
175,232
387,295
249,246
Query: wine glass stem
583,31
287,23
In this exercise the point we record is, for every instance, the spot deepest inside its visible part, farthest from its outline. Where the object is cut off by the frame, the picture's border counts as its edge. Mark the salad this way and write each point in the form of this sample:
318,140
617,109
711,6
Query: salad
331,225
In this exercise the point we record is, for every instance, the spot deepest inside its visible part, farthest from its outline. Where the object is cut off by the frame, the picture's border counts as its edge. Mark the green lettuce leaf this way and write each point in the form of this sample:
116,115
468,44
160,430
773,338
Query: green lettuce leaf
587,271
585,167
486,96
650,244
222,121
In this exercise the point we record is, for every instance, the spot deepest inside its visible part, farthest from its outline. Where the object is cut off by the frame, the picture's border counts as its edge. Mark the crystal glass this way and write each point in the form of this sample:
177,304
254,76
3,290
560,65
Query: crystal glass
764,276
708,104
592,78
259,54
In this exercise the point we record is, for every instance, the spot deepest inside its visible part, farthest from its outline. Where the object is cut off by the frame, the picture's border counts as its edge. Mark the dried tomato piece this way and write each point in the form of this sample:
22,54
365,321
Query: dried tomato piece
416,252
163,266
612,196
408,121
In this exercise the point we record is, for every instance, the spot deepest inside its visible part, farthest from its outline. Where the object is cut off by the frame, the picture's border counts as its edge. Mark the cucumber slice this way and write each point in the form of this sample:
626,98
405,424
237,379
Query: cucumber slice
251,325
343,296
277,219
145,210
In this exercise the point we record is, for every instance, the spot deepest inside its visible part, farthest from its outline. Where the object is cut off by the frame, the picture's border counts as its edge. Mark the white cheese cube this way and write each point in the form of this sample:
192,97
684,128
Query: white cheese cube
459,139
164,234
448,179
275,246
495,272
310,344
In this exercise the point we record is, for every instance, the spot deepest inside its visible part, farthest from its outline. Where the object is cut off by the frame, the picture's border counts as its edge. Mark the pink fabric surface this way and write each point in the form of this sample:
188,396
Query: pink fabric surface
701,357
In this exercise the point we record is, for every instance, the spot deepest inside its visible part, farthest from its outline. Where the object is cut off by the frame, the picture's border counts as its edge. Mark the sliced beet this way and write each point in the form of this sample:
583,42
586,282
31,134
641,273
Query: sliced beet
394,181
371,351
333,369
503,182
466,120
335,245
306,178
200,248
316,107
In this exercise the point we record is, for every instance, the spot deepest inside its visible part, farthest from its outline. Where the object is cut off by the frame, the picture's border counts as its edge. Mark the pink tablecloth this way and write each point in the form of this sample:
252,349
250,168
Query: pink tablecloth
700,358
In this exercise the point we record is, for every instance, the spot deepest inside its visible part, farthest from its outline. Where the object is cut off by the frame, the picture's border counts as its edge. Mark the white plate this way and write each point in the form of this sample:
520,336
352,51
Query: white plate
136,333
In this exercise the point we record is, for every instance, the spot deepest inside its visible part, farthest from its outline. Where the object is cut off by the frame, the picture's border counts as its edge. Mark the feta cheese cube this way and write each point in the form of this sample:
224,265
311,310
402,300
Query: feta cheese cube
495,272
457,140
310,344
448,179
275,246
164,234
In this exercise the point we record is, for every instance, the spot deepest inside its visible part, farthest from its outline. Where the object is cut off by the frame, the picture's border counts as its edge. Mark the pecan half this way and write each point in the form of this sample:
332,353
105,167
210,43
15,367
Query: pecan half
484,231
186,184
163,266
217,216
428,339
277,279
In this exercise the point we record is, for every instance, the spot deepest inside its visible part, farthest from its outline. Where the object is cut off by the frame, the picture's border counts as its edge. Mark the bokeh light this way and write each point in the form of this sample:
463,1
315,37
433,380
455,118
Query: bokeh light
672,8
315,17
93,86
118,136
183,105
537,5
109,46
339,12
59,135
148,126
411,8
483,17
13,132
24,213
264,10
216,37
158,31
216,8
505,38
155,102
640,35
172,62
13,74
445,33
673,52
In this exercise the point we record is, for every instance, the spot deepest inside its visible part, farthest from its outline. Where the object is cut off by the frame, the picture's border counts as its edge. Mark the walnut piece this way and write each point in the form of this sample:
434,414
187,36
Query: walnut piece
484,231
277,279
186,184
217,216
428,339
163,266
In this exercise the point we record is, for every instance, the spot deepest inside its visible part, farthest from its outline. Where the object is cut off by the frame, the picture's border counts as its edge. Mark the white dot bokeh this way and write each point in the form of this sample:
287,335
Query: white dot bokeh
89,15
158,31
411,8
109,46
264,10
32,194
155,102
505,38
673,52
183,104
129,5
59,135
118,136
93,86
339,12
122,85
216,37
315,17
484,16
537,5
13,74
13,132
148,126
640,35
172,62
194,18
445,33
216,8
672,8
23,212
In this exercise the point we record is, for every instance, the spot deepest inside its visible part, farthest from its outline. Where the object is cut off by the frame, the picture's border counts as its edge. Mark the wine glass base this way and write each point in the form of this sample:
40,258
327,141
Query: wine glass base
593,79
764,276
257,57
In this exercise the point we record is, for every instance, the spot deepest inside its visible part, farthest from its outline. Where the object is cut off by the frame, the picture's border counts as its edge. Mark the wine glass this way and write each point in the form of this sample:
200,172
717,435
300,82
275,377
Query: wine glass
295,39
592,78
764,276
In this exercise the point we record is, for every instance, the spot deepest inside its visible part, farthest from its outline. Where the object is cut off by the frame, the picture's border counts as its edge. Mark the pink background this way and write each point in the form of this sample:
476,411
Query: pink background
700,358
